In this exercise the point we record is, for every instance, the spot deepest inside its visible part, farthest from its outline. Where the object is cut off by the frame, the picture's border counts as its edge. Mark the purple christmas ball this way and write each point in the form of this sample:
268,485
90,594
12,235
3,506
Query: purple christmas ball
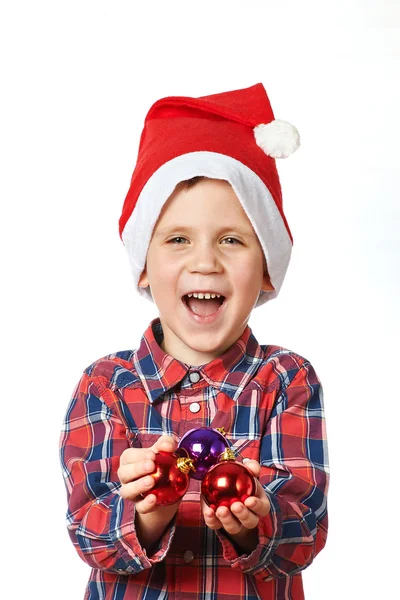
204,446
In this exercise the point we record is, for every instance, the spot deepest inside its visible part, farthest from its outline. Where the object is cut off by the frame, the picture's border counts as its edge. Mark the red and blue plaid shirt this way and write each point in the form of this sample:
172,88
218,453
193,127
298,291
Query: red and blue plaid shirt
268,400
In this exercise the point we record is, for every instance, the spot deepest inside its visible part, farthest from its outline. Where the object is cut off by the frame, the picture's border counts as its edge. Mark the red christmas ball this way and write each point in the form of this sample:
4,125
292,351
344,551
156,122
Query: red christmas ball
227,482
171,478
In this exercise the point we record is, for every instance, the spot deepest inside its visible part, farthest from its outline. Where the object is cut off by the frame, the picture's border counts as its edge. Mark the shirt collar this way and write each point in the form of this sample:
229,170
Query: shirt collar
230,373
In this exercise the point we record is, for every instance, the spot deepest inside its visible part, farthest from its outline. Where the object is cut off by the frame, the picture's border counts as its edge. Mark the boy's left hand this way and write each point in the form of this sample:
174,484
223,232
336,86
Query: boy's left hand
240,515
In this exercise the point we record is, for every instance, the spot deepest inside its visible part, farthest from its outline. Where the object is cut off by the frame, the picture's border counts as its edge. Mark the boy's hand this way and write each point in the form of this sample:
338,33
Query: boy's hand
135,467
241,516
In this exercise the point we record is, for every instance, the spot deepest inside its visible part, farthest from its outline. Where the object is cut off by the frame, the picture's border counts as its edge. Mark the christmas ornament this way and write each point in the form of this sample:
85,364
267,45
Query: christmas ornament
227,482
204,446
171,476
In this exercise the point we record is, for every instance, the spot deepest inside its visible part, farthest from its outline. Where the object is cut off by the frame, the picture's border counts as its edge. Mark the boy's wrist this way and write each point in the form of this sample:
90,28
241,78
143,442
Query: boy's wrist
245,541
150,527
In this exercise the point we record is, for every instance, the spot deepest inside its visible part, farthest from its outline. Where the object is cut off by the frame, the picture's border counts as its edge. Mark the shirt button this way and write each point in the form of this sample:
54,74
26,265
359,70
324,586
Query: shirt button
194,377
194,407
188,556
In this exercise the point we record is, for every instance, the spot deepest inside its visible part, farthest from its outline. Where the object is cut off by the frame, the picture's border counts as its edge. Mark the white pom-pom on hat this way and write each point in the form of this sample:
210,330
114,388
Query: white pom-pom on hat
278,139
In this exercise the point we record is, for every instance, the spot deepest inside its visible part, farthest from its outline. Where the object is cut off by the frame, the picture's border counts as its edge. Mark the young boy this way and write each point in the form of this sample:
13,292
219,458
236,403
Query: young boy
208,241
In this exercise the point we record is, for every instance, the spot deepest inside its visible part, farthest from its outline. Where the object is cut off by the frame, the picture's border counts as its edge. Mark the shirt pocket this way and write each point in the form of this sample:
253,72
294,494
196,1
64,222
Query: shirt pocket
139,439
246,449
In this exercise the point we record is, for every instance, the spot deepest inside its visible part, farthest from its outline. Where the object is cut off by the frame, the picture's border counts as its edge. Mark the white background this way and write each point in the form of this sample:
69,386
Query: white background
77,81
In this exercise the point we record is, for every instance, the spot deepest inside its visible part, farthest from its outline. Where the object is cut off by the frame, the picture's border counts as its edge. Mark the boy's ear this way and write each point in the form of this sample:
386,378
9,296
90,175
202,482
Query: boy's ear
266,285
143,279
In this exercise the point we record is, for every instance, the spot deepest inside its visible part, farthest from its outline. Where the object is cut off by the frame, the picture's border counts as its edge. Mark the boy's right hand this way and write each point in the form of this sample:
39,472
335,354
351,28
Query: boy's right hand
135,466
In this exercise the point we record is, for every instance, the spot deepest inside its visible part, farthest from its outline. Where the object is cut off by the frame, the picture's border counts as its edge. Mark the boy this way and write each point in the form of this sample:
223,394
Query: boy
208,241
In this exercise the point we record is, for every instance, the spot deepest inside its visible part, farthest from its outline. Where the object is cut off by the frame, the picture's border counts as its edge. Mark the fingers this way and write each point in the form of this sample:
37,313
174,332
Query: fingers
136,465
228,519
135,475
132,455
134,470
246,517
210,517
147,505
133,489
233,520
258,506
137,462
240,515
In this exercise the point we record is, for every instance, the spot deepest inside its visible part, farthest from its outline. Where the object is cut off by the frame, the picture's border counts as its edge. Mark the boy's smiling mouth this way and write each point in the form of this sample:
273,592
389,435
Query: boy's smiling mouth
203,305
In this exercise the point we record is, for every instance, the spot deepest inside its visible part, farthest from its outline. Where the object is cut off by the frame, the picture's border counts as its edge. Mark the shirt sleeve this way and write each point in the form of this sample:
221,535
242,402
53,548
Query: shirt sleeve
295,477
101,524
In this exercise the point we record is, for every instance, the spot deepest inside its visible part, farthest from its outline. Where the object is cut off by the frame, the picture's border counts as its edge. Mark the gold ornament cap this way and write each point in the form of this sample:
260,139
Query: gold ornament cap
185,465
227,455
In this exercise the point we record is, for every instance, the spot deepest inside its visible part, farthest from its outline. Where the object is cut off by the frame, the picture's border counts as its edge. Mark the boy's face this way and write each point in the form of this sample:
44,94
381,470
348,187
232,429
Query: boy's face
216,250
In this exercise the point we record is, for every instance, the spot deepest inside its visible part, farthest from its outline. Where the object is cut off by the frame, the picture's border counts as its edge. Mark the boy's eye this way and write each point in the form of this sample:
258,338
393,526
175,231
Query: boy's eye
232,238
182,238
176,238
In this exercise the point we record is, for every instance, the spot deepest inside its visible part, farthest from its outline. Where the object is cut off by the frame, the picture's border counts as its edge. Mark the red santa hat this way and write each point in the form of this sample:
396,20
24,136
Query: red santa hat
232,136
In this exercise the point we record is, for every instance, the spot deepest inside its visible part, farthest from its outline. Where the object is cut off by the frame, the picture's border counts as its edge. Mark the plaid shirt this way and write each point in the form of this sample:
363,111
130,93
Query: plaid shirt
268,400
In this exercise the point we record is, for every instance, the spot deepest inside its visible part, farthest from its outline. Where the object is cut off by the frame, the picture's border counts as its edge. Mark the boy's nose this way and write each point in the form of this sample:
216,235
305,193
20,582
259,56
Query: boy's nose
204,259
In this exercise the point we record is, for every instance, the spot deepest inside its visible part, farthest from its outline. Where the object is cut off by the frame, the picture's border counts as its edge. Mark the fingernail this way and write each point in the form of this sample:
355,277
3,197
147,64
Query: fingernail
148,465
148,481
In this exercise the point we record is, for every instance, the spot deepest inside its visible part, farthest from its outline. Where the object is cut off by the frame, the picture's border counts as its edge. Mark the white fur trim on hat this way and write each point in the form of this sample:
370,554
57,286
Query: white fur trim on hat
278,139
251,191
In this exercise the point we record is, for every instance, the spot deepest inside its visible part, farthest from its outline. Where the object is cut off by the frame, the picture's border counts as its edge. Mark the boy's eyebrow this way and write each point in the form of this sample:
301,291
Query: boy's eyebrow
165,230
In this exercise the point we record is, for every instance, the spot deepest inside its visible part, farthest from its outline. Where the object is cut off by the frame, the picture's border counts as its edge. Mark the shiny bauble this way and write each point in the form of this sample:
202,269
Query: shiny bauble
171,478
227,482
204,446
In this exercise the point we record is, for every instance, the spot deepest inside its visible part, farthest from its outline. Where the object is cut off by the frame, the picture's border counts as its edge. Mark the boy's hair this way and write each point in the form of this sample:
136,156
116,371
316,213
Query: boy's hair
189,183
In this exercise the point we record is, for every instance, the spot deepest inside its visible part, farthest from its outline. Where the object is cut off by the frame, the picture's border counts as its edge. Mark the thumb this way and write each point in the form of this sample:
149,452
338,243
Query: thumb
254,467
165,443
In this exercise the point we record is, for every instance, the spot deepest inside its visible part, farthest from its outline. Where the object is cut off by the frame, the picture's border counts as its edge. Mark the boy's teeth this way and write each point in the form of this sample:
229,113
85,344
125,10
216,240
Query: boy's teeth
201,296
